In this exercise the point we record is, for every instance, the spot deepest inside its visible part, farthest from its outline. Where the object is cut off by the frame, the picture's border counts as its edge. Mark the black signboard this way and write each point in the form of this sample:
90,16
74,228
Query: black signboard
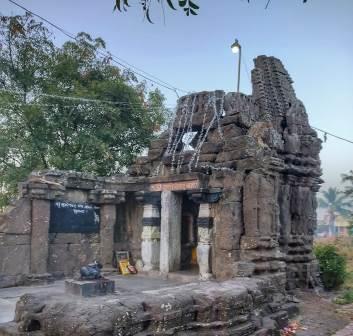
66,217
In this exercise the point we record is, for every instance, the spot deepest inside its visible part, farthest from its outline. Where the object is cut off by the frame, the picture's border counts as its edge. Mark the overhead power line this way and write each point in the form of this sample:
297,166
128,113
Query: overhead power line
137,71
79,99
333,135
125,104
114,58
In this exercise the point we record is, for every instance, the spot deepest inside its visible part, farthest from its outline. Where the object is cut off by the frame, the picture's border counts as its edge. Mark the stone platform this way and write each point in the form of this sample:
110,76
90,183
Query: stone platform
87,288
242,306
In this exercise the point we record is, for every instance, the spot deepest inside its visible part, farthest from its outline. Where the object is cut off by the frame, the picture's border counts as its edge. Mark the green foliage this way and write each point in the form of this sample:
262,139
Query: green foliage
348,178
348,191
336,203
332,265
345,298
41,127
188,6
334,200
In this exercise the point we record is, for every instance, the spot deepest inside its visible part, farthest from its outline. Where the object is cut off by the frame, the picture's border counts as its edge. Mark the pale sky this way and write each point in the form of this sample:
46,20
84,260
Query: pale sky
313,40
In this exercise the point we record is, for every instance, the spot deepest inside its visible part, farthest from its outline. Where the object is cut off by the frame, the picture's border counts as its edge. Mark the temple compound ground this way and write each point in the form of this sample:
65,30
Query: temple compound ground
228,194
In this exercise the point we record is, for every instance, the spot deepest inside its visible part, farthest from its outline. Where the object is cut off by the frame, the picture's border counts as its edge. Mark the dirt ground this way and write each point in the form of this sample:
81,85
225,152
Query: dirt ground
319,316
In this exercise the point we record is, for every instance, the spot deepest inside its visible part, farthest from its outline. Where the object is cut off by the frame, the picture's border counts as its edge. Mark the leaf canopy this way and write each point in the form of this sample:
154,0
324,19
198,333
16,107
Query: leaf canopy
44,121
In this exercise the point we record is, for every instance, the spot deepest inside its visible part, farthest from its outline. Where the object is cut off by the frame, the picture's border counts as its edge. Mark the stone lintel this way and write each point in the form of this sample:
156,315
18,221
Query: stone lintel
211,195
178,182
146,197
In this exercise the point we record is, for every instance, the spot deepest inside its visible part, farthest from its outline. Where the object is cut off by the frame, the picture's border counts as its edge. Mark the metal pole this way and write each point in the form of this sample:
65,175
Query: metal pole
239,62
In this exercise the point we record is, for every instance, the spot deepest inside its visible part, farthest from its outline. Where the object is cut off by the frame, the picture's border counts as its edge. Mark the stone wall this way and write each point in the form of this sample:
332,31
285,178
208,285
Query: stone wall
15,240
250,162
28,249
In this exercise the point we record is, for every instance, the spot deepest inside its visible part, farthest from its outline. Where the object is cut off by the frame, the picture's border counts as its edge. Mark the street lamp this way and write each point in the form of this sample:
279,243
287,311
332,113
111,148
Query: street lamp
236,48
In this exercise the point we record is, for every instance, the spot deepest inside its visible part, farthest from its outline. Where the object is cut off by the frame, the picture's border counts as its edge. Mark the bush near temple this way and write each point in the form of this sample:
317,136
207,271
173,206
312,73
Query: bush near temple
332,265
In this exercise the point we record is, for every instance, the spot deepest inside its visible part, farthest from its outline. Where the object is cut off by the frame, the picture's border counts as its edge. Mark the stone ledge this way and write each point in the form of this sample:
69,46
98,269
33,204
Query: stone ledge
239,307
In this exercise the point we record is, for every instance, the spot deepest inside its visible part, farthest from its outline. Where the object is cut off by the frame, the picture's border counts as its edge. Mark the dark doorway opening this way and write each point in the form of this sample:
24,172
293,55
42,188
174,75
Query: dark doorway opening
188,256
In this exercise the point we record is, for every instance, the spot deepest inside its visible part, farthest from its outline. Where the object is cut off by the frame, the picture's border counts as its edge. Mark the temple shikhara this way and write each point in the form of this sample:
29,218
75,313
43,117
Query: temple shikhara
227,193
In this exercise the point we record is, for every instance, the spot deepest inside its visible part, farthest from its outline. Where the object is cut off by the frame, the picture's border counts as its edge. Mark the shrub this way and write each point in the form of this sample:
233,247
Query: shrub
345,298
332,265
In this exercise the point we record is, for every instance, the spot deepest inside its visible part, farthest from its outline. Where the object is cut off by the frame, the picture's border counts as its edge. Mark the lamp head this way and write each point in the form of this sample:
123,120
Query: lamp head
235,47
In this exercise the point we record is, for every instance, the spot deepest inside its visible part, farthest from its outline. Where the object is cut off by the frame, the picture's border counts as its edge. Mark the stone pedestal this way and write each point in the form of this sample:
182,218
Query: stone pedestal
87,288
170,231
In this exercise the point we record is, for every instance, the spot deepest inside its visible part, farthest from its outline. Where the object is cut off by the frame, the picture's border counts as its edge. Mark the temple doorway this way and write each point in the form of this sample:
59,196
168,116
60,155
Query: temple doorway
189,238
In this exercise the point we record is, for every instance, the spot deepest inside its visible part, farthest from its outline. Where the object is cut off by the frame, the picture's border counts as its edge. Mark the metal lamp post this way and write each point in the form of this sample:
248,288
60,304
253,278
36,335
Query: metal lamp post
236,48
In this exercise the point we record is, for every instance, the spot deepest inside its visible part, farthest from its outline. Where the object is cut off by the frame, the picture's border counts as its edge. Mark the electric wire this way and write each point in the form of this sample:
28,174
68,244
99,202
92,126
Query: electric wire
114,58
80,99
138,71
331,134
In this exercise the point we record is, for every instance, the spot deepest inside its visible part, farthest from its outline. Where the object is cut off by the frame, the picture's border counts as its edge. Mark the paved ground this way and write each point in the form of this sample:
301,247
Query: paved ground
320,317
347,331
123,284
9,297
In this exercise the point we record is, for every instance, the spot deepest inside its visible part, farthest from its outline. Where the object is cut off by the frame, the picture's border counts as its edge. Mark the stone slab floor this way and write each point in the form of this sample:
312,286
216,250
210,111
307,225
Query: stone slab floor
123,284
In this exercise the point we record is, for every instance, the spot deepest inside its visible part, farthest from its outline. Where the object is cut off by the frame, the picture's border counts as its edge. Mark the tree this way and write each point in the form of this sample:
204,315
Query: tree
348,178
348,191
44,121
336,204
188,6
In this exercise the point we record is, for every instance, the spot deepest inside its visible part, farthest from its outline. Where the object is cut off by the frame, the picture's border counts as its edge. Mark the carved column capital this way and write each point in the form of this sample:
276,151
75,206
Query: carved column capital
145,197
106,196
46,190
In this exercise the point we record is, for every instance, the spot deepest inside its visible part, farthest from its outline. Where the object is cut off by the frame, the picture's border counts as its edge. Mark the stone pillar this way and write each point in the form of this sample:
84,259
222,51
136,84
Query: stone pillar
107,199
205,225
205,197
39,236
170,231
107,222
40,193
150,239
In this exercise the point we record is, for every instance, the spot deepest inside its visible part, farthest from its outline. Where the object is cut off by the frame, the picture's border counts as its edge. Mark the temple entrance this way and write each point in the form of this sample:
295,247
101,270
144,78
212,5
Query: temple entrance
188,255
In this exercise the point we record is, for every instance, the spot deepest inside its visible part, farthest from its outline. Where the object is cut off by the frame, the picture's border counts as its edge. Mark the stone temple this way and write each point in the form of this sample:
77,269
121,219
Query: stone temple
228,192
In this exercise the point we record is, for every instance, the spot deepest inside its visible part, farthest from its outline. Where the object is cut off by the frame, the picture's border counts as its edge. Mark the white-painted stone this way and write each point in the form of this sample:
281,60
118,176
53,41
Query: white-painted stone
205,210
150,211
204,235
150,244
150,254
151,233
170,231
203,259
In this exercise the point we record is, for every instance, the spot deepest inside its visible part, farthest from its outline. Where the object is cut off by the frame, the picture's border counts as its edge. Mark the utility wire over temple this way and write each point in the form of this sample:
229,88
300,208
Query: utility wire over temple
118,60
137,71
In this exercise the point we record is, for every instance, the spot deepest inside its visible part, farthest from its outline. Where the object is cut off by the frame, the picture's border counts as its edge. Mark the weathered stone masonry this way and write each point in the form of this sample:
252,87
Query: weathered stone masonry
262,153
234,179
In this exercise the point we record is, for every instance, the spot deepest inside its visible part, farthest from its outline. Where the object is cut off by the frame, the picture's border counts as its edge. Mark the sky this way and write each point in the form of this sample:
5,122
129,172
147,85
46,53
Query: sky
313,40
